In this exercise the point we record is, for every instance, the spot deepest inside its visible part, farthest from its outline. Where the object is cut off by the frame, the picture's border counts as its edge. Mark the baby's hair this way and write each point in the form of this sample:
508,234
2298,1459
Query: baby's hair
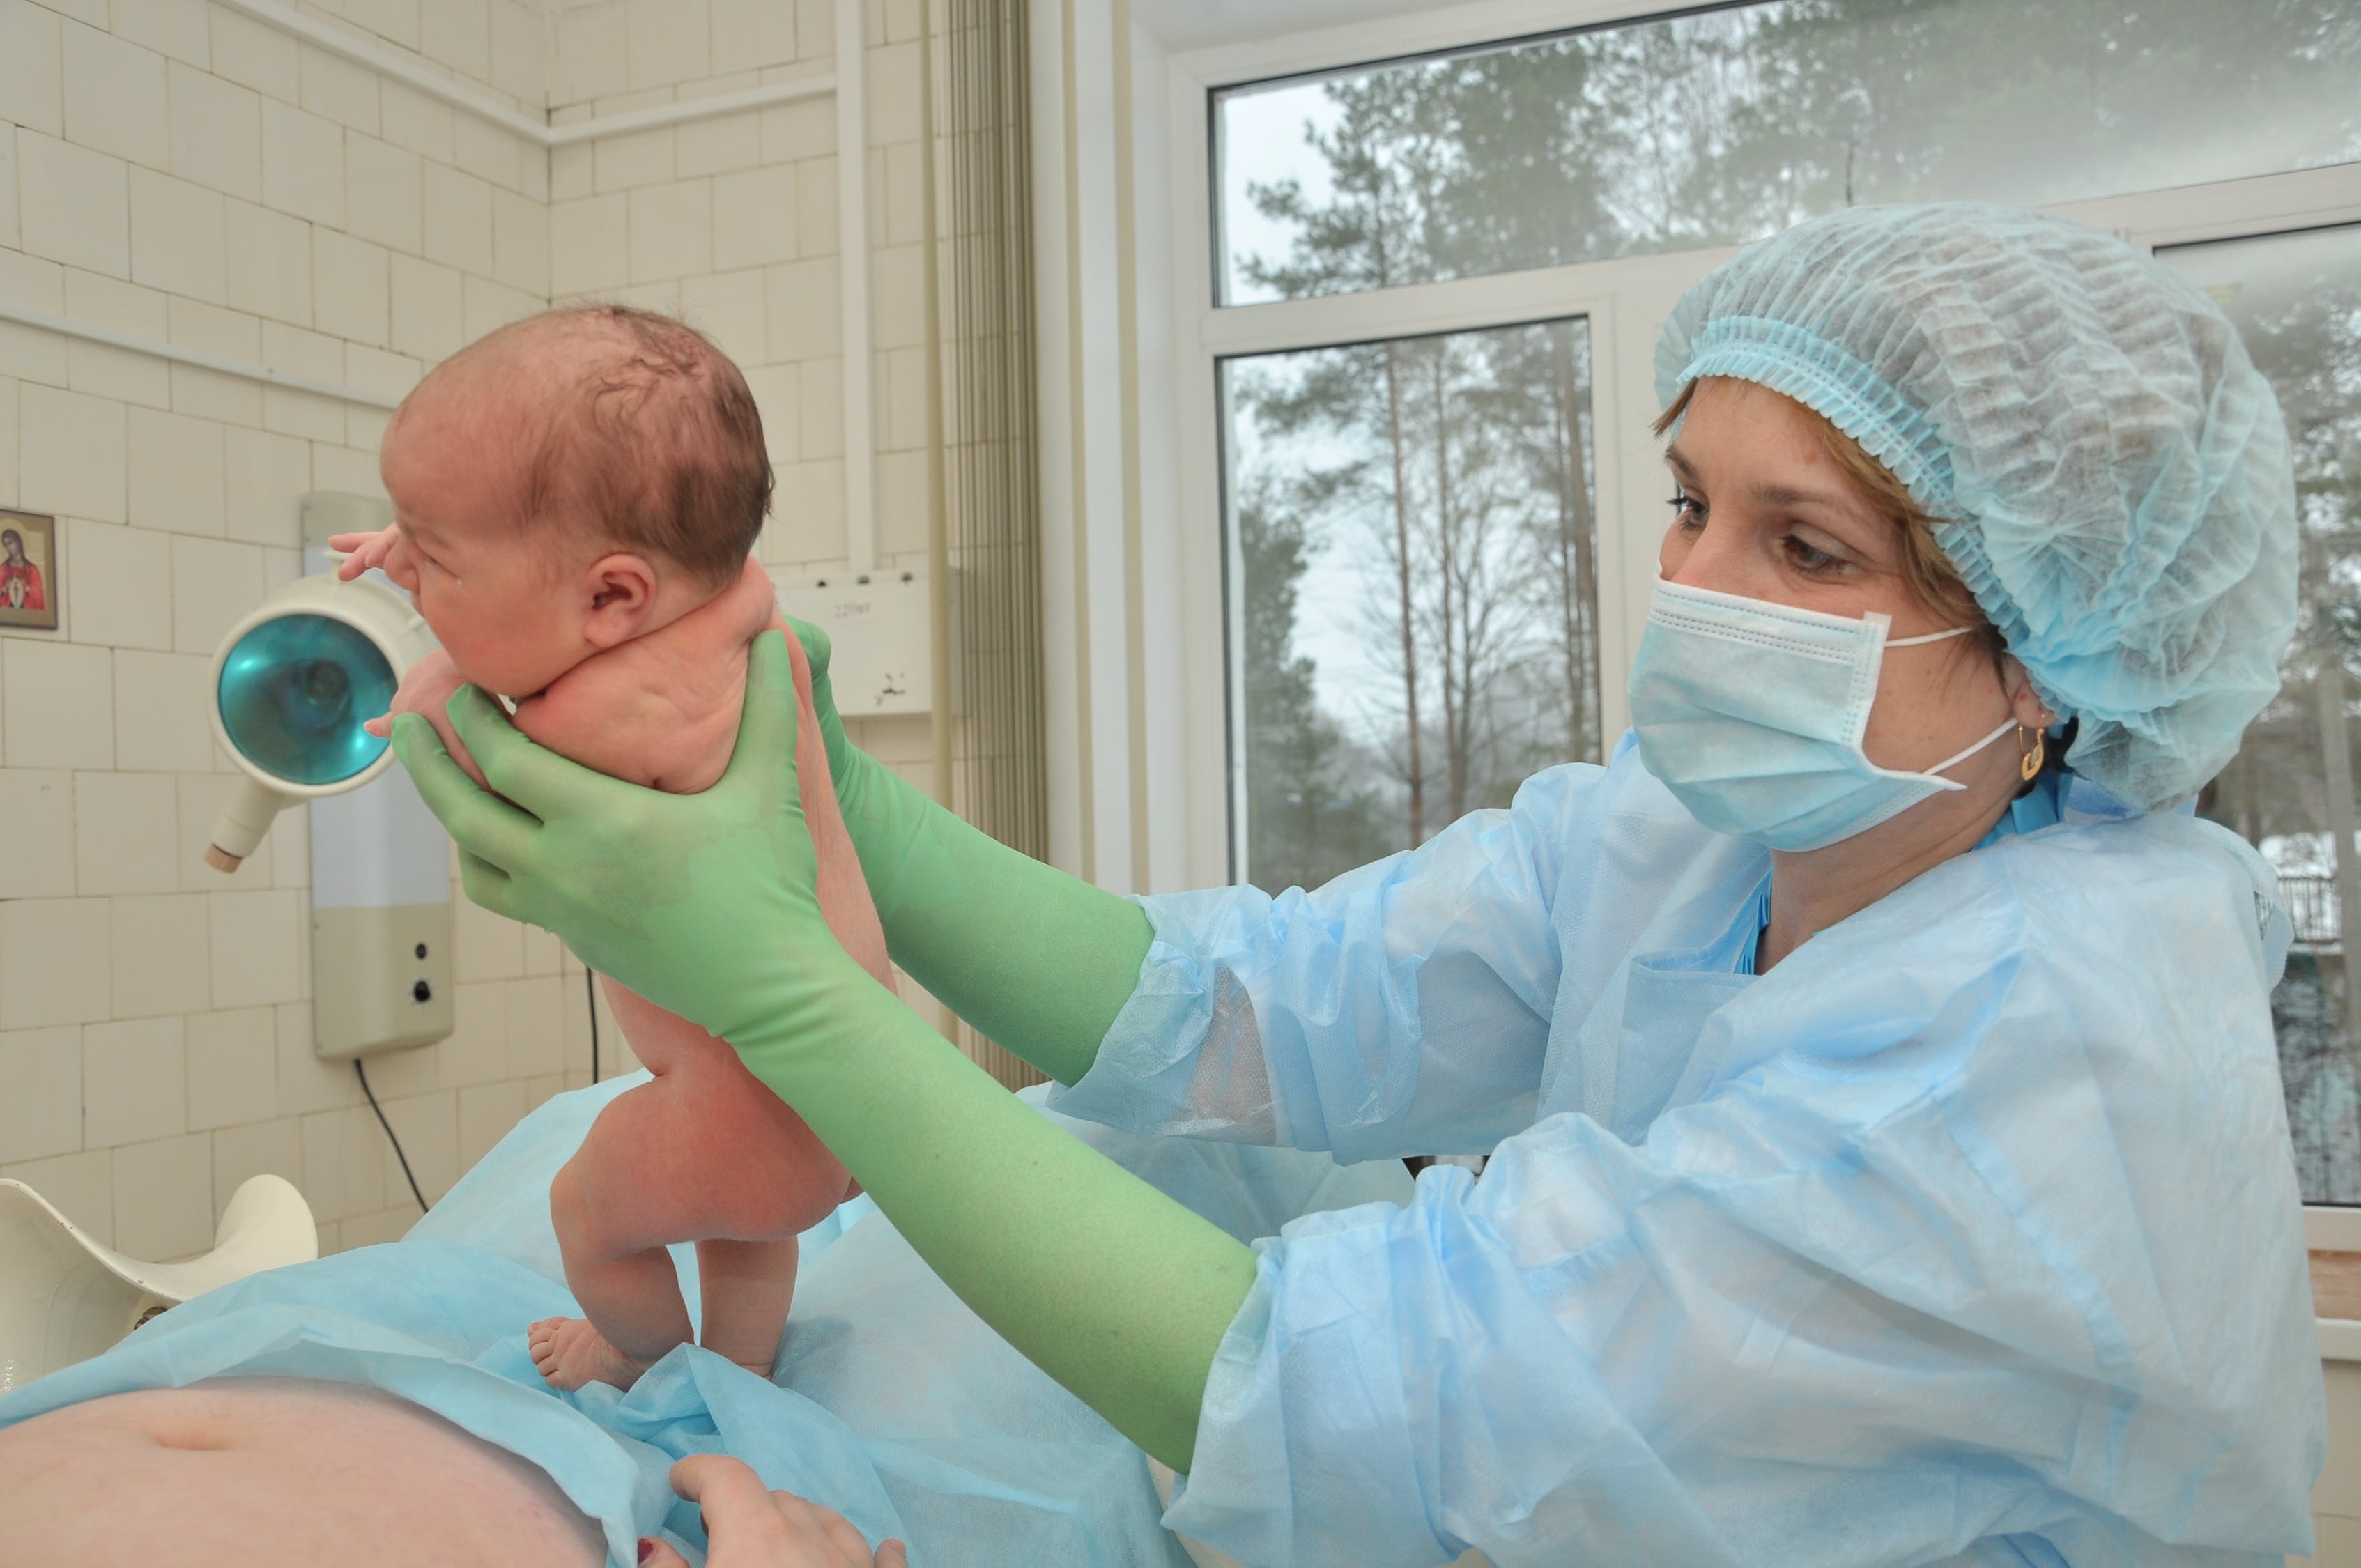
658,445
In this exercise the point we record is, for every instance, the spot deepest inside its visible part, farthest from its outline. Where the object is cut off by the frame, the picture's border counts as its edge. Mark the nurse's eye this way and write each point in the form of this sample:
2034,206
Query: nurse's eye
1806,556
1688,513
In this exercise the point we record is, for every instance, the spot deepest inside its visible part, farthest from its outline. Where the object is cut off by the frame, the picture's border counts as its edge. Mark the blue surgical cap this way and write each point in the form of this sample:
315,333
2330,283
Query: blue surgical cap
2114,469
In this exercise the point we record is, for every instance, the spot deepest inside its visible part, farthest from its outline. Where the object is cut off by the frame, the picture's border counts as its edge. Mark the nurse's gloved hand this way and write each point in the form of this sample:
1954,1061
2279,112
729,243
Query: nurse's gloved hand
703,904
749,1527
1039,961
706,904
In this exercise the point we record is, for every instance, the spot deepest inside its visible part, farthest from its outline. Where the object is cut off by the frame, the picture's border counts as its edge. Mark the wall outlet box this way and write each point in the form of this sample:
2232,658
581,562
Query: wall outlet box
381,963
879,626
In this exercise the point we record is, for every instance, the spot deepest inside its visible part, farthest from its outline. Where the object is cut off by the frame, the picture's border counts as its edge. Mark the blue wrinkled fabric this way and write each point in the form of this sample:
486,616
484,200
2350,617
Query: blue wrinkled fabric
2114,469
892,1403
1969,1233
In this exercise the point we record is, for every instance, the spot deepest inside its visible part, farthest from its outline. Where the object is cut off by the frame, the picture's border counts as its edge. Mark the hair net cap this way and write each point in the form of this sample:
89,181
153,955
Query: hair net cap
2115,469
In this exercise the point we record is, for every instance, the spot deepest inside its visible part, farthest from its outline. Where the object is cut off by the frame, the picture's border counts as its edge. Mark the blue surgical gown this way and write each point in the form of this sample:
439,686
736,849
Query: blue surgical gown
1968,1234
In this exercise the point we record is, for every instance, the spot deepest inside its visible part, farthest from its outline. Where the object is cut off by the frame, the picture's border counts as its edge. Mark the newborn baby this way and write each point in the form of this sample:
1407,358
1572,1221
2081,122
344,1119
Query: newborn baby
575,499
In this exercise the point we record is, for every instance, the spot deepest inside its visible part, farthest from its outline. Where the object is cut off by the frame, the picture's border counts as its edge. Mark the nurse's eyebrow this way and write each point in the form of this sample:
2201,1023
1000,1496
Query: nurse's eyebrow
1763,495
1788,495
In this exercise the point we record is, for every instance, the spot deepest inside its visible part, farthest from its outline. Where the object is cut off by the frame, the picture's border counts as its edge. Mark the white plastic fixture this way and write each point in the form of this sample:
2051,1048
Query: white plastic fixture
64,1296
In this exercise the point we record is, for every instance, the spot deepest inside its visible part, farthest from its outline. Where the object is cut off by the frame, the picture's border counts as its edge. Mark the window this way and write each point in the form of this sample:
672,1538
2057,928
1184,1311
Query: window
1414,562
2297,300
1511,220
1716,126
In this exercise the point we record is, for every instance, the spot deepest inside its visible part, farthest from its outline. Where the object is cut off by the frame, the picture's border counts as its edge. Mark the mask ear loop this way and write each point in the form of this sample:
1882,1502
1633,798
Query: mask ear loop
1936,773
1930,637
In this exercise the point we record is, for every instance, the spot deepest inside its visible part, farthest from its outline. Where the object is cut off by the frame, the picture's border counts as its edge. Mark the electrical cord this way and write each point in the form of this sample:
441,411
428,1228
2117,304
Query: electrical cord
590,986
362,1073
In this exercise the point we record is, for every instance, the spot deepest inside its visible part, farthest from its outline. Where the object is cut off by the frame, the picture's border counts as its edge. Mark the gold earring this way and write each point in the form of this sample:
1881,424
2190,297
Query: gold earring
2028,763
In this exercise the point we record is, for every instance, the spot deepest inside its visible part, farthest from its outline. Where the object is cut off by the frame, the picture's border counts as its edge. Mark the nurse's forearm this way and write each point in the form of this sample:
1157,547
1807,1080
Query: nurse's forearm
1039,961
1113,1289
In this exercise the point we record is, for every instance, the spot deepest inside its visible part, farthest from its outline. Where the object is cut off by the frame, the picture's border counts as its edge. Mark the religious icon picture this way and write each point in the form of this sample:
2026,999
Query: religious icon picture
29,570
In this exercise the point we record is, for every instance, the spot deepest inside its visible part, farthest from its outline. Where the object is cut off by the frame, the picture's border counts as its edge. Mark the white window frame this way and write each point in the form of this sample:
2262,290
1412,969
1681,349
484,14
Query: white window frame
1133,589
1624,301
1616,299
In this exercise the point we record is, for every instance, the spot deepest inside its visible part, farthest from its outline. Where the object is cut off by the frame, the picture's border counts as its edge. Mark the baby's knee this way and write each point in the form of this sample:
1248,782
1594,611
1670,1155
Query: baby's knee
571,1213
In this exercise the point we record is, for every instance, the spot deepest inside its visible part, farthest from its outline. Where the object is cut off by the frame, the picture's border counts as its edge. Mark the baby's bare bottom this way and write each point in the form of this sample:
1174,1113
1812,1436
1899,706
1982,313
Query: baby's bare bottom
276,1469
705,1152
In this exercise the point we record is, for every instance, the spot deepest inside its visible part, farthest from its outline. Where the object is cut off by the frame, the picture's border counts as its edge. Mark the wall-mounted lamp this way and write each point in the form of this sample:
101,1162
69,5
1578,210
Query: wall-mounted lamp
292,684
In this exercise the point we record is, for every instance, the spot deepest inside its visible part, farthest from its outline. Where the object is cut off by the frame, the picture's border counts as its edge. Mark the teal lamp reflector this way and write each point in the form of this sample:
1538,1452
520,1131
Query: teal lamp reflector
294,693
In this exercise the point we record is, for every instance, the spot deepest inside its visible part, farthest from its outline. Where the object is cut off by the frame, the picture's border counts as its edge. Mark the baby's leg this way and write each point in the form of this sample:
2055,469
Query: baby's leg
746,1287
615,1267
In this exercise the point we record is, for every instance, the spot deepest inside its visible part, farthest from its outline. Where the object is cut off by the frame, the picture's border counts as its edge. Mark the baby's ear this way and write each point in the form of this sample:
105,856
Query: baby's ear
618,593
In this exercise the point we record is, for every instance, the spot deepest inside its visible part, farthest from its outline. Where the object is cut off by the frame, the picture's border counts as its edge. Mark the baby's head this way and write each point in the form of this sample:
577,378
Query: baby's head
569,483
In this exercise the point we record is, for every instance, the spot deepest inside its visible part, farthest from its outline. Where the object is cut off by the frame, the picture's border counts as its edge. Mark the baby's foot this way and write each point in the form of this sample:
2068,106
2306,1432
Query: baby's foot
762,1369
568,1353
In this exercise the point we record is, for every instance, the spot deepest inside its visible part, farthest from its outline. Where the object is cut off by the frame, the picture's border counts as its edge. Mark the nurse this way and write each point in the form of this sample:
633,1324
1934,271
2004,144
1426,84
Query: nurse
1889,1161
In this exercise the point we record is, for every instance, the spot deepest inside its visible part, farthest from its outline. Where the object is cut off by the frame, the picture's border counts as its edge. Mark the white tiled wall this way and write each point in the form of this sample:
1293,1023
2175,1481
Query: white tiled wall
178,172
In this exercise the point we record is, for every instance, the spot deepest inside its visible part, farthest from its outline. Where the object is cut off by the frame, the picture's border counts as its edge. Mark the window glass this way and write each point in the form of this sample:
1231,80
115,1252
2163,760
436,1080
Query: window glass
2297,300
1414,583
1721,126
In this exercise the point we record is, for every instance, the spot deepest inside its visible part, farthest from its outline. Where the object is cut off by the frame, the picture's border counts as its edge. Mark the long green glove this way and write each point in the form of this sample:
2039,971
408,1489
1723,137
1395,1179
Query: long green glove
705,905
1039,961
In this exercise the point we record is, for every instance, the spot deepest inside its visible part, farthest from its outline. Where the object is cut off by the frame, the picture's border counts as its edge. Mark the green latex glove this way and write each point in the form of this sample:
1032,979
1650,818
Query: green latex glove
1039,961
705,905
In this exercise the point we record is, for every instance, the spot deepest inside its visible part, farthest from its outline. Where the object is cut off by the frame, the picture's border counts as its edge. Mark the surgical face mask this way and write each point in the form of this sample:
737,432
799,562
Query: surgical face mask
1753,714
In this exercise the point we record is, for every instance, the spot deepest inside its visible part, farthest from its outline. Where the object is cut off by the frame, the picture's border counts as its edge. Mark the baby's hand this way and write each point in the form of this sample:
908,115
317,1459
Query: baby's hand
362,552
748,1526
424,690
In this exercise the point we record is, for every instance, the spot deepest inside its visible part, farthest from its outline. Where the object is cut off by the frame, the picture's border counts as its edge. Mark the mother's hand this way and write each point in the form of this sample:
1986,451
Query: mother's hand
703,904
749,1527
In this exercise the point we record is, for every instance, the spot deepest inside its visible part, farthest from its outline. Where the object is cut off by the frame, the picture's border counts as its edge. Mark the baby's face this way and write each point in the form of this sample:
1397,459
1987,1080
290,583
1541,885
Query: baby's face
499,594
